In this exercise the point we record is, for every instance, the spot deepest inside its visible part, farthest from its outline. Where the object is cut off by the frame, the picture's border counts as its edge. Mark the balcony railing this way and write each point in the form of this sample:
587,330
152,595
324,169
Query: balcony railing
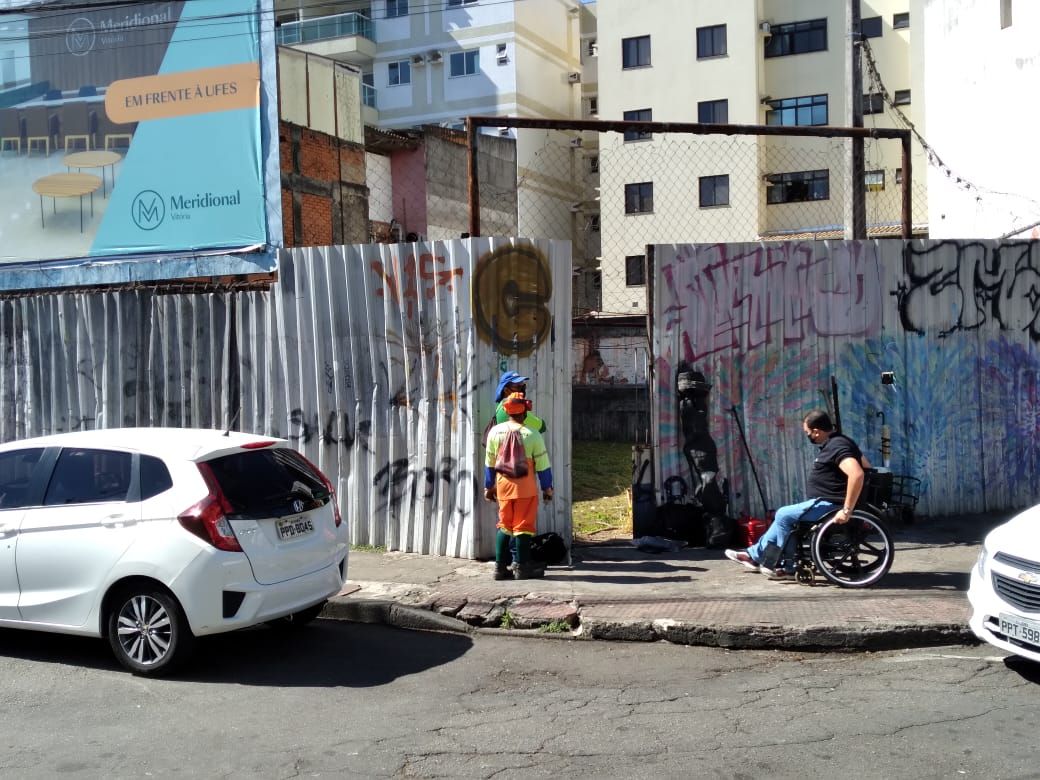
324,28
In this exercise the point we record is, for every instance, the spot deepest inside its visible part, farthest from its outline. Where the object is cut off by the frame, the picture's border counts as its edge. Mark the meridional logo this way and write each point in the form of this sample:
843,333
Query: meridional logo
1028,579
80,36
297,506
148,210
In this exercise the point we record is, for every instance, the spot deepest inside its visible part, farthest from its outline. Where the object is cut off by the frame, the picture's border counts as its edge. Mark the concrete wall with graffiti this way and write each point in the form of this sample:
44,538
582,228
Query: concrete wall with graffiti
379,362
759,331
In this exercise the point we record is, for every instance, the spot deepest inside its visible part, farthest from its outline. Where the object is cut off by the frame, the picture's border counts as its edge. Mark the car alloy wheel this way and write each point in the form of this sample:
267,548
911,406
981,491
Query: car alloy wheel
148,632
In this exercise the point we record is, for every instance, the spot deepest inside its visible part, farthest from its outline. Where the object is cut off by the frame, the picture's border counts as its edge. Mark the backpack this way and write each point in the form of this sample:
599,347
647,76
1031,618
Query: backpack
512,457
548,548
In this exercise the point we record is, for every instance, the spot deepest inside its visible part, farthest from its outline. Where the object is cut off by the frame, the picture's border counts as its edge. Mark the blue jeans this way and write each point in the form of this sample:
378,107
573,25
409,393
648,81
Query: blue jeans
780,533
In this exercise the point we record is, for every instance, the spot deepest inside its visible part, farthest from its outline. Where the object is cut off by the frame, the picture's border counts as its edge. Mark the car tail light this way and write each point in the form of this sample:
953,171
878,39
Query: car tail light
207,519
256,445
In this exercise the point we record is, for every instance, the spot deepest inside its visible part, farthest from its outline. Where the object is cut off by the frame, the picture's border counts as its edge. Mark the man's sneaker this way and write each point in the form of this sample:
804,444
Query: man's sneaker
742,557
777,574
503,573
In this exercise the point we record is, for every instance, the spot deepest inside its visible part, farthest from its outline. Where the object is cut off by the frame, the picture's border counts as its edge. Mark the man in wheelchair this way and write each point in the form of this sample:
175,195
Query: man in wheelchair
834,482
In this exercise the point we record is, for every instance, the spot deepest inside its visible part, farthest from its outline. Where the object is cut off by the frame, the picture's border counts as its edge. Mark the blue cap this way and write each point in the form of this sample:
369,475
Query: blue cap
508,378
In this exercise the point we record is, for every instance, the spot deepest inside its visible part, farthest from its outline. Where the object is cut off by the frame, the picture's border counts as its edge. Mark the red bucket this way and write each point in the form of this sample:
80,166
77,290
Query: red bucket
749,529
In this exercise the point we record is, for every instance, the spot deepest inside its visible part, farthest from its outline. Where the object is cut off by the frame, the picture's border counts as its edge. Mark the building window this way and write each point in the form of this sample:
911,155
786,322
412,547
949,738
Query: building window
874,103
593,223
714,190
500,54
400,73
591,48
798,186
457,3
711,41
874,181
395,8
593,106
900,21
640,115
464,63
635,271
899,176
635,52
797,38
594,163
901,97
639,198
713,112
368,89
805,110
870,27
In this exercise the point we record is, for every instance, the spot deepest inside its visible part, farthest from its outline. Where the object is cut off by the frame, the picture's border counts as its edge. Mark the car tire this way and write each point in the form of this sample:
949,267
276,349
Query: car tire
148,631
297,620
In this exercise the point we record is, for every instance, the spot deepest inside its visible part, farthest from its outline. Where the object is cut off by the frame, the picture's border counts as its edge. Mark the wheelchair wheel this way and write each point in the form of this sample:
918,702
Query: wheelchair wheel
855,554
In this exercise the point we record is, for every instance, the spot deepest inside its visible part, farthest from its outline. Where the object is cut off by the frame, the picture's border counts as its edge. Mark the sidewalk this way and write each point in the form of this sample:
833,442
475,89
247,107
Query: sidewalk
614,591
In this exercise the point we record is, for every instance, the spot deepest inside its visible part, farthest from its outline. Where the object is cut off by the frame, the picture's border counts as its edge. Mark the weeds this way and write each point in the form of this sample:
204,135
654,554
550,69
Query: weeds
508,620
556,627
376,548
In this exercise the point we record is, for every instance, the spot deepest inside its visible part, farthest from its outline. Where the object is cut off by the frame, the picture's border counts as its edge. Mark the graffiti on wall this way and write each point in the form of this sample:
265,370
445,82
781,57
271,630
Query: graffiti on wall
743,299
955,324
953,286
414,278
512,292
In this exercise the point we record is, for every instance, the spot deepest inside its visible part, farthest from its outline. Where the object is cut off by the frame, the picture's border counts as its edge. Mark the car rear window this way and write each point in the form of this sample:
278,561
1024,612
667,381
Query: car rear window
267,482
15,469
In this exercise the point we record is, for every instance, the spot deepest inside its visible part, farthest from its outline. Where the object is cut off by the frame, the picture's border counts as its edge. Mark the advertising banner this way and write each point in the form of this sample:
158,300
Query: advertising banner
130,129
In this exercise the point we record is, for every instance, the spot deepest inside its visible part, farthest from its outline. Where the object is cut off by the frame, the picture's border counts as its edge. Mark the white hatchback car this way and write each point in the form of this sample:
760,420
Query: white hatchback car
154,536
1005,586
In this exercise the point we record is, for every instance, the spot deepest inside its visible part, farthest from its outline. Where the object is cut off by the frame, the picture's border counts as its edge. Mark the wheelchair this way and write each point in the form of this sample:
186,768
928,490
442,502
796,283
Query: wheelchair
854,554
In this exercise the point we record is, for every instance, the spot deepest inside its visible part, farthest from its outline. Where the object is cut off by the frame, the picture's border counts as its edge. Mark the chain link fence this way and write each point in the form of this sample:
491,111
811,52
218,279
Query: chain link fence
613,192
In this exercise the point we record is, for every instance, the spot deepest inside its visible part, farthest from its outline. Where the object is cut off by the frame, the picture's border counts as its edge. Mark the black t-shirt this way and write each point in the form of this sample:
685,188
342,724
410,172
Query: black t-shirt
826,480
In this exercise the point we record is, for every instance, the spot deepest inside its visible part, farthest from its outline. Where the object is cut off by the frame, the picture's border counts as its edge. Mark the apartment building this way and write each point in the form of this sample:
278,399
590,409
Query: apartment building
436,62
774,62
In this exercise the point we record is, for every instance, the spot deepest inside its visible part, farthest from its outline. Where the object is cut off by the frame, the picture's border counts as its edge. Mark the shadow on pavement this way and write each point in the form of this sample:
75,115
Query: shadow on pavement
1024,668
623,579
328,653
927,580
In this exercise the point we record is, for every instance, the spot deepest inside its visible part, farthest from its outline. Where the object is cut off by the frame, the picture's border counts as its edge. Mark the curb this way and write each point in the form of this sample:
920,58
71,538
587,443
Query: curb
891,636
392,614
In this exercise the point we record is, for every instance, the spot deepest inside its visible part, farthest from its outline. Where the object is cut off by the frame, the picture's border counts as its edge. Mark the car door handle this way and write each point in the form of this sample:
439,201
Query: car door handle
117,521
6,529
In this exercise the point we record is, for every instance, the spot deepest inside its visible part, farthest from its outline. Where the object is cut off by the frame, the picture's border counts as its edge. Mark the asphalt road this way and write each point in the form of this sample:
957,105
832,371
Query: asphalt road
352,700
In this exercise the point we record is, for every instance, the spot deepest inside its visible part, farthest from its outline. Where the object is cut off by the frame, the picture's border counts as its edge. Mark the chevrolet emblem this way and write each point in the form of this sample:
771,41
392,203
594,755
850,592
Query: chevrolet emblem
1027,578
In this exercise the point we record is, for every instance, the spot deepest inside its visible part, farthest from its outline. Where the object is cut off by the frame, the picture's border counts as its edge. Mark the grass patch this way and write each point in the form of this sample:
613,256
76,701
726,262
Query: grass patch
368,548
601,477
556,627
508,620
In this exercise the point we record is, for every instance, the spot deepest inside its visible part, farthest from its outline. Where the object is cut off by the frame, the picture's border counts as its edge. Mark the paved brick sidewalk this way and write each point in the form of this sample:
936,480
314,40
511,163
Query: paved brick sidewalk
614,591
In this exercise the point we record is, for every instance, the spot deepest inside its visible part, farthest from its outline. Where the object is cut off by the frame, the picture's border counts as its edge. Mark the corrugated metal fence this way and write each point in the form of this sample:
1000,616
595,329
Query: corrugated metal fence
379,362
769,325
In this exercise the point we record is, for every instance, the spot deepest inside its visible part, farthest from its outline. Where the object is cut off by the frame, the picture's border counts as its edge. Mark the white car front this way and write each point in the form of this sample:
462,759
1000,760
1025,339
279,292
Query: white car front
1005,587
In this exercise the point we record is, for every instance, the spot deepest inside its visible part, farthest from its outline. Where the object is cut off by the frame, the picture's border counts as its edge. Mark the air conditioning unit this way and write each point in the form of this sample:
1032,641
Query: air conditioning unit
765,28
575,208
576,142
418,59
574,78
434,56
503,131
